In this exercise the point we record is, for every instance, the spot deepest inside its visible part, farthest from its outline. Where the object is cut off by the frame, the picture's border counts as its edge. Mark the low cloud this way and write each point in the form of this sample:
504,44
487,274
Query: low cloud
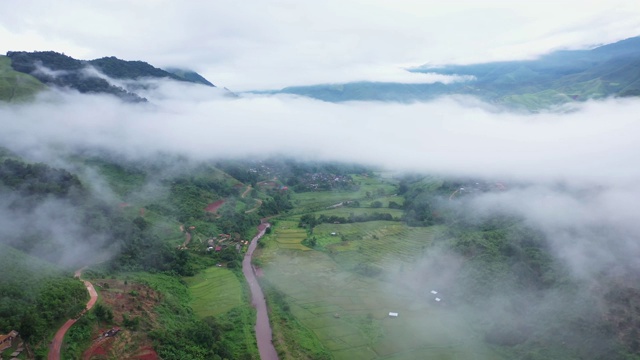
53,230
592,142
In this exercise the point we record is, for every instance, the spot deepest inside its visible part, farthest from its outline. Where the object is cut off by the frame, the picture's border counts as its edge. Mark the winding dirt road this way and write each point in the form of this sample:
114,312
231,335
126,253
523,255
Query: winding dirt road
263,328
56,344
244,194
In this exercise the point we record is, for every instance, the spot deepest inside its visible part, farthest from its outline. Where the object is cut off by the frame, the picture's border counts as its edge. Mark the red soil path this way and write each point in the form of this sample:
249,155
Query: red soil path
147,353
54,348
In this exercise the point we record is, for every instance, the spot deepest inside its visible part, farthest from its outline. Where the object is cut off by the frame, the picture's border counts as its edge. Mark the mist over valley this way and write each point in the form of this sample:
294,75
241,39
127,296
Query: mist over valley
483,208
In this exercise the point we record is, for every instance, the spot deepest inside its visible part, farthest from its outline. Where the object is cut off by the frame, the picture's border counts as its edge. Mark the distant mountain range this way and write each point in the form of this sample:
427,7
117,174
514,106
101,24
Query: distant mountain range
24,73
553,79
560,77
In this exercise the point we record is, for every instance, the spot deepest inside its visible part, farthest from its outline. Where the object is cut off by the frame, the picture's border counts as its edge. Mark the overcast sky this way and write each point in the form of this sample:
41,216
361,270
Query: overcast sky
256,44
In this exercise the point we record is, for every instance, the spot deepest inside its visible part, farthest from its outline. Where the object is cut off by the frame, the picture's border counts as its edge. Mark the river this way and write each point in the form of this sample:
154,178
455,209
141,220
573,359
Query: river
263,328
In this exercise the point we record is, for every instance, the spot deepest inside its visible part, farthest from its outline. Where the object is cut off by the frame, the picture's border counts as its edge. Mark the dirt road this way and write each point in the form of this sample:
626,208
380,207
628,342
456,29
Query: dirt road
56,344
258,204
244,194
263,328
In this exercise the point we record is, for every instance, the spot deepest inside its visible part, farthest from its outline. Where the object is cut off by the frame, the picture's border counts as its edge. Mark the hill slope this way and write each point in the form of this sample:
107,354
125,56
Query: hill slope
555,78
59,70
14,85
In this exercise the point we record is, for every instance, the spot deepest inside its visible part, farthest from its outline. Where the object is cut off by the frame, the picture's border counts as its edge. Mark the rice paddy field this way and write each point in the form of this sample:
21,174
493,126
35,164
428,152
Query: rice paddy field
214,291
318,200
332,290
289,236
346,211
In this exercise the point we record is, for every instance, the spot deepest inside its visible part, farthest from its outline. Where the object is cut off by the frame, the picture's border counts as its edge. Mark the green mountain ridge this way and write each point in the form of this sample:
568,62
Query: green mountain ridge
560,77
59,70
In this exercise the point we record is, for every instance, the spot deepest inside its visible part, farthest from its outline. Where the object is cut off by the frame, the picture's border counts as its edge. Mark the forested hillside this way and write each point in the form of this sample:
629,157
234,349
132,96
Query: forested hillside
154,239
59,70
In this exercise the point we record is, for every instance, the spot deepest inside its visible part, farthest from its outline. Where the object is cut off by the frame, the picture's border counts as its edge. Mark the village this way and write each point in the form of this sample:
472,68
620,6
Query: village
223,241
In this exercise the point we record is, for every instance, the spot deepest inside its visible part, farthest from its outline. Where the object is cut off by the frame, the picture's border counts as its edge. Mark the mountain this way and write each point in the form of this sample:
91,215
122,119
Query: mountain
59,70
552,79
189,75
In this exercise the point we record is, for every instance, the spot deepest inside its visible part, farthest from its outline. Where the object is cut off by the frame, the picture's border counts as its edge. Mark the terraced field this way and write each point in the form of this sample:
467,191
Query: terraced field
319,200
346,211
376,239
288,236
214,291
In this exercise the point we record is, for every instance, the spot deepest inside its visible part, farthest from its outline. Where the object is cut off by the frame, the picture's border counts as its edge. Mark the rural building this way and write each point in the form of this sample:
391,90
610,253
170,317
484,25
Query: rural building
6,341
393,314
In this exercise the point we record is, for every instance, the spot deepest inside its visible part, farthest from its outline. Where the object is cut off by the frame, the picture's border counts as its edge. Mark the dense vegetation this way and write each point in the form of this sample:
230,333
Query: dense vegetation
37,179
36,296
140,232
59,70
191,76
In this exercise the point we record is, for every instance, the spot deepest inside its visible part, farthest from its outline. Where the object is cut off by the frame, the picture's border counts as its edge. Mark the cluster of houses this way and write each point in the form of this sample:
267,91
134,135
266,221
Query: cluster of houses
324,181
222,241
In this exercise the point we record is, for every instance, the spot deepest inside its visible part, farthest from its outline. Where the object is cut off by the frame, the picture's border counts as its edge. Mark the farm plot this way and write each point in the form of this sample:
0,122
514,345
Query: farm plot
367,187
318,200
356,231
347,211
289,236
214,291
348,312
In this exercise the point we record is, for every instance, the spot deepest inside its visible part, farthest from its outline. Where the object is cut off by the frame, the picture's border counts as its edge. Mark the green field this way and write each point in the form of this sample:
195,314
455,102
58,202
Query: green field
288,236
214,291
346,211
320,200
16,86
343,291
347,310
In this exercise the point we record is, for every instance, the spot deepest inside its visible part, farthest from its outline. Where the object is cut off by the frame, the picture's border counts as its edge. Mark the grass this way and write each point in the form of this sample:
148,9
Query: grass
214,291
16,86
348,312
